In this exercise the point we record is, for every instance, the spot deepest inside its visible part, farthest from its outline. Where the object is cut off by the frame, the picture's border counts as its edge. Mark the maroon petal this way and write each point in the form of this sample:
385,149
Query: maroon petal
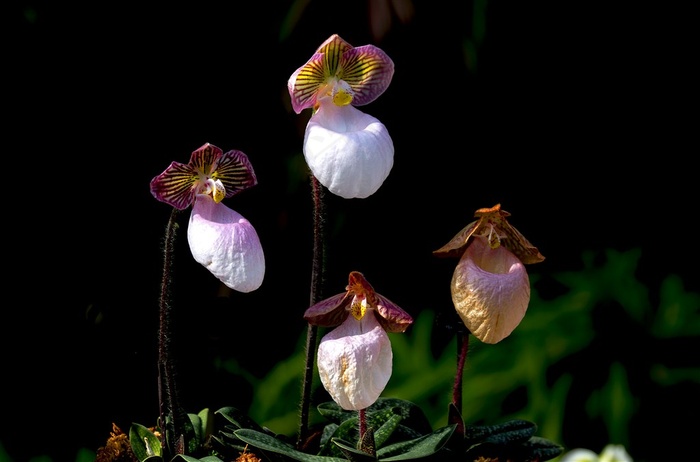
329,312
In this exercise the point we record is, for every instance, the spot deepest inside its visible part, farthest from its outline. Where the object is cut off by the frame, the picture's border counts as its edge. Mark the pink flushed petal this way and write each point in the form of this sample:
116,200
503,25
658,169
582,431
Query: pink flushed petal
348,151
490,291
226,244
355,362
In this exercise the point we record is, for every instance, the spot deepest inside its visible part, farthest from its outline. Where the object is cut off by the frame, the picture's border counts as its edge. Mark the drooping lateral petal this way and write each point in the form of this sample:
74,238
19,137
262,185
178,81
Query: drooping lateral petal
226,244
176,186
368,70
455,248
392,317
490,290
348,151
492,222
355,362
235,171
329,312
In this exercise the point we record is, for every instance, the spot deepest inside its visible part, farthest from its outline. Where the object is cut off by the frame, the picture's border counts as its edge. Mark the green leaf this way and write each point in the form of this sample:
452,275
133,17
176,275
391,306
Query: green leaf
207,423
513,431
194,459
197,440
266,442
144,442
542,448
238,418
385,431
352,454
346,431
534,449
331,411
424,446
383,408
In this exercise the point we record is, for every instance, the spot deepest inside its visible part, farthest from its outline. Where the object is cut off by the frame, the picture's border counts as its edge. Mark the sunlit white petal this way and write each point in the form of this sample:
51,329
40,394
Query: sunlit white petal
348,151
580,455
614,453
355,362
226,244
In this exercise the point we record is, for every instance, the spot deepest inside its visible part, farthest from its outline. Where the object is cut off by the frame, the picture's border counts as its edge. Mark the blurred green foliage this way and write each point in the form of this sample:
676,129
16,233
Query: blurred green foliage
548,371
532,374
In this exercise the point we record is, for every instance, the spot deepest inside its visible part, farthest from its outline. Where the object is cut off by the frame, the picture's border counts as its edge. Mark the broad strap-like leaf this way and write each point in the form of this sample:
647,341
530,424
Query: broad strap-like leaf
513,431
267,442
424,446
352,454
184,458
238,418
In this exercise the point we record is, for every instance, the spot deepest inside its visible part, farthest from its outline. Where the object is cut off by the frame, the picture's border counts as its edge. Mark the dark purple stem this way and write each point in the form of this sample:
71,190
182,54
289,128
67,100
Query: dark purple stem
317,281
362,417
171,414
462,349
455,414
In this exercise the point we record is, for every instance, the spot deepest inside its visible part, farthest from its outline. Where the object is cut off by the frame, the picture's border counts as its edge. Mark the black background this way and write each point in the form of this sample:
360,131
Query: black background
579,118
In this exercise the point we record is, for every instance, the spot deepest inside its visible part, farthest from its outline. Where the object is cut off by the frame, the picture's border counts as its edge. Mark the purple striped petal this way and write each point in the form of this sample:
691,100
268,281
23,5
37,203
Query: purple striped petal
235,171
305,83
368,70
176,186
209,169
204,159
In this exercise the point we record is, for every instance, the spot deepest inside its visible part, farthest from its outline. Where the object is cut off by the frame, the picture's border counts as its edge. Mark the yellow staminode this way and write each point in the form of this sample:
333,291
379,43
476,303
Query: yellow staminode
358,308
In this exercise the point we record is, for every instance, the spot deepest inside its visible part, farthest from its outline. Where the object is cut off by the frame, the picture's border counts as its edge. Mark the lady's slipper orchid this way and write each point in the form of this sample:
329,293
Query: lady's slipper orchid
355,359
348,151
611,453
220,239
490,286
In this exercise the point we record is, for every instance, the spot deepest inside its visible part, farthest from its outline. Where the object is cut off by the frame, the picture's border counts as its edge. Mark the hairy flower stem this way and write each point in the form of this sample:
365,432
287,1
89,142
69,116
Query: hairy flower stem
462,350
317,281
172,415
362,418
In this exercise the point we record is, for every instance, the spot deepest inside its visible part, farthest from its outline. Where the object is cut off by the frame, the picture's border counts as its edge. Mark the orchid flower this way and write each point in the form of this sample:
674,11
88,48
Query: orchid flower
490,286
355,358
220,238
348,151
611,453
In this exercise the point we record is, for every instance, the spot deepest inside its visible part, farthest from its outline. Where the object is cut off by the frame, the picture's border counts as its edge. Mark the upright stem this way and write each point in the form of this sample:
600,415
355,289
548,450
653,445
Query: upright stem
462,350
171,414
362,418
317,281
